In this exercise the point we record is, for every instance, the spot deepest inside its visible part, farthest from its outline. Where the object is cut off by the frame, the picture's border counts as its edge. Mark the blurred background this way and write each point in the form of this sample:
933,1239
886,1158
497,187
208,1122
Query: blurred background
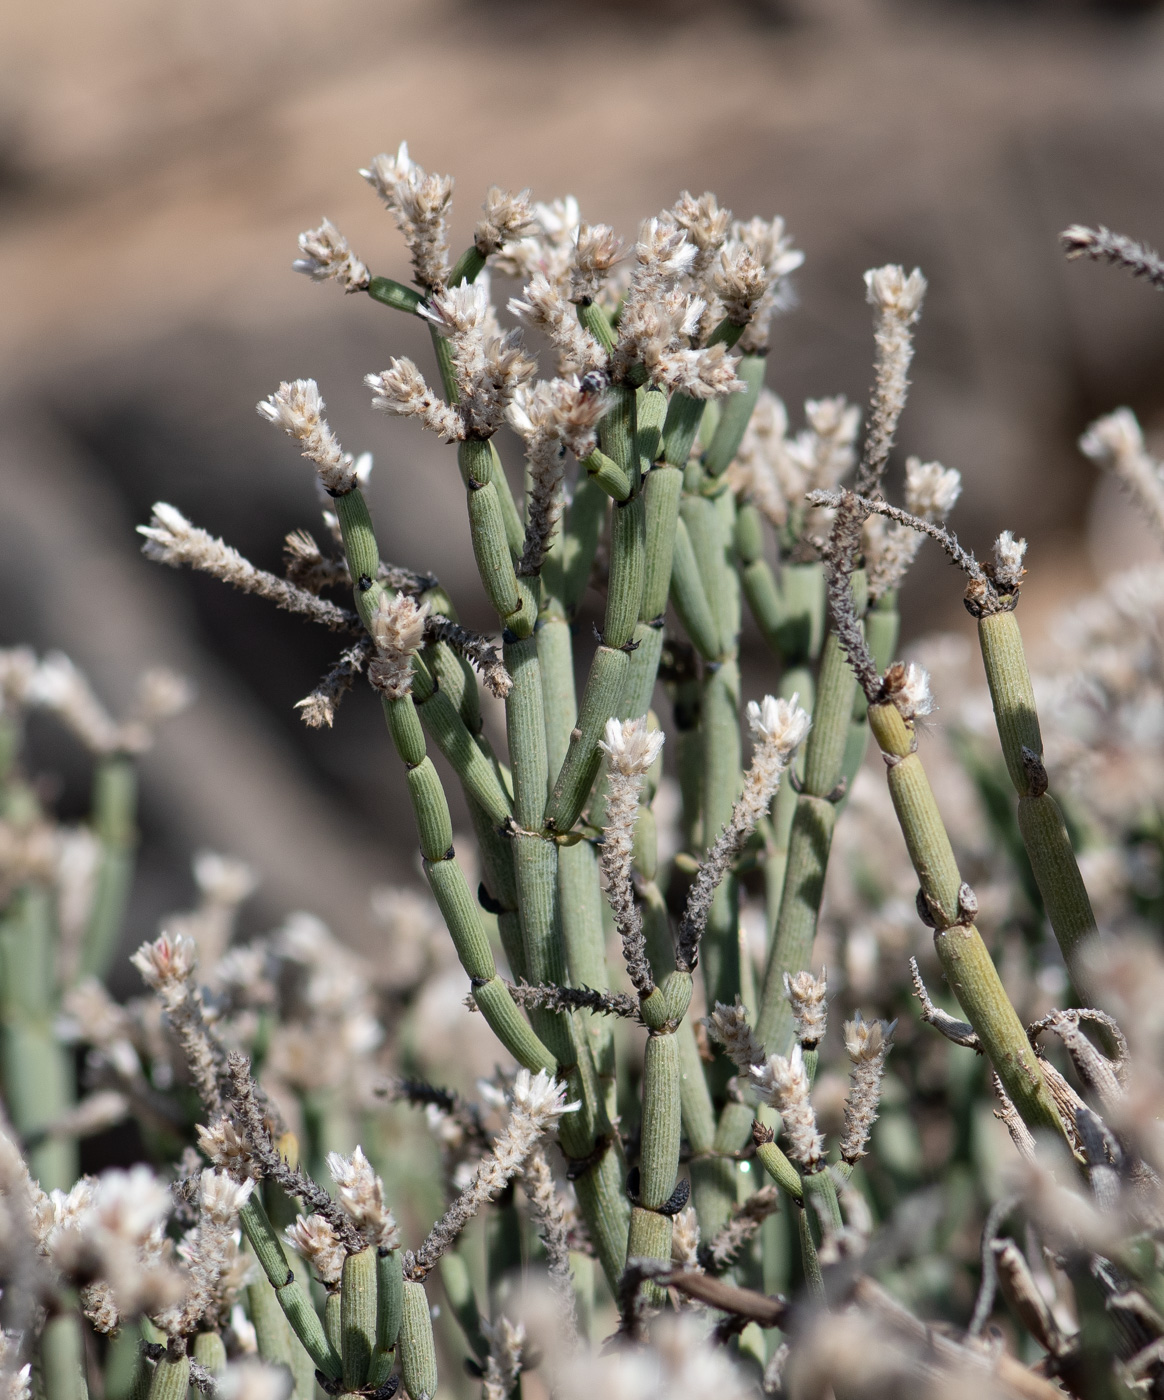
157,163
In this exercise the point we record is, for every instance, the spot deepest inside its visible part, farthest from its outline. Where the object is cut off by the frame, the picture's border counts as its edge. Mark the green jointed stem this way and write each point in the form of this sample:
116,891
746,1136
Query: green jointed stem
446,727
395,294
467,266
607,475
458,907
780,1169
650,415
114,814
642,671
535,858
1065,897
358,1317
820,1189
689,596
1044,832
659,1160
812,1274
389,1308
62,1358
597,322
418,1366
579,895
511,1028
463,1302
703,526
627,571
584,521
455,677
600,700
271,1330
809,840
525,724
616,432
684,415
649,1234
1011,694
332,1322
209,1351
720,729
171,1379
296,1305
494,561
580,899
604,1207
361,550
556,662
38,1074
536,869
662,489
965,960
882,626
735,412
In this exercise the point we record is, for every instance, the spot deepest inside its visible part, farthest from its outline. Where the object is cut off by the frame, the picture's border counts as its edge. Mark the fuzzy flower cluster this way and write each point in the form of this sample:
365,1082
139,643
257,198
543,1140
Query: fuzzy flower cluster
783,1083
313,1237
172,540
54,683
775,471
1008,571
537,1105
807,995
931,492
662,319
397,628
908,687
728,1025
778,729
506,217
544,306
166,965
327,257
551,418
15,1379
897,300
420,204
488,366
108,1234
216,1270
297,408
1116,443
596,250
361,1193
868,1043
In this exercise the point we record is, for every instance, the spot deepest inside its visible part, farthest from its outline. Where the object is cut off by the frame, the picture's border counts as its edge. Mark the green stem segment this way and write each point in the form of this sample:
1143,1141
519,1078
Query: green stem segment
418,1366
114,825
1040,821
451,891
964,957
301,1315
358,1317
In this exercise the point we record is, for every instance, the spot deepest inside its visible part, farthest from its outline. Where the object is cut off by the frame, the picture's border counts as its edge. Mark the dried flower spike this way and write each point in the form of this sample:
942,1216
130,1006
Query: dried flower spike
868,1044
326,256
297,408
729,1026
783,1083
806,995
397,628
